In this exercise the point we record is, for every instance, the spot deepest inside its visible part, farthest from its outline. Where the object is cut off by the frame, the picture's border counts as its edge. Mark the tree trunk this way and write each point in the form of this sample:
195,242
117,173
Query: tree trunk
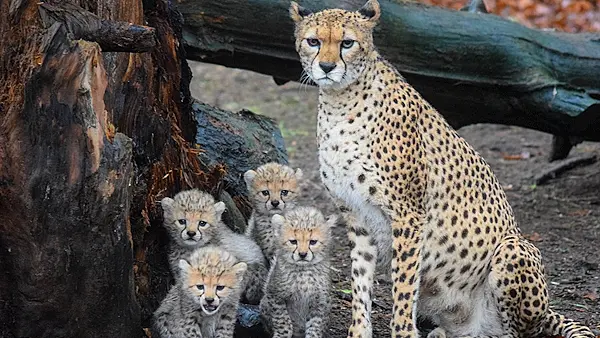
97,126
473,67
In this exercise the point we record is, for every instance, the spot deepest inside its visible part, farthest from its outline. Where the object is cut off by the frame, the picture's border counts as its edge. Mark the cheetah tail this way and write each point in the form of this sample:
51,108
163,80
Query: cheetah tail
558,325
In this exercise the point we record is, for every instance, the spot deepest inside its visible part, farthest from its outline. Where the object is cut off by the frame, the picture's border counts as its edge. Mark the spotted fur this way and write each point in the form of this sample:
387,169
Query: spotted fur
204,301
297,300
418,194
193,220
272,189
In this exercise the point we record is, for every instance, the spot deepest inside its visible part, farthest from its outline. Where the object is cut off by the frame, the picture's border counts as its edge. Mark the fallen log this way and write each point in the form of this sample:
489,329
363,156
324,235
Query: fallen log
473,67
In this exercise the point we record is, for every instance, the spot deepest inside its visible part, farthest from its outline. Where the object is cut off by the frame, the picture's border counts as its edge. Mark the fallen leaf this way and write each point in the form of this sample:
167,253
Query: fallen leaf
533,237
346,291
592,295
580,212
147,332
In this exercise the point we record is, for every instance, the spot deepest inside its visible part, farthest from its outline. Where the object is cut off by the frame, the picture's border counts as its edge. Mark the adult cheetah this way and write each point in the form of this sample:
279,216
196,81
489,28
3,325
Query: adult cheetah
416,194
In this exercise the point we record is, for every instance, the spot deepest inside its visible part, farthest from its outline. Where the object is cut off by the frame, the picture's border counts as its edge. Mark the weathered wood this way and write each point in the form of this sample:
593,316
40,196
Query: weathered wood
89,142
112,36
473,67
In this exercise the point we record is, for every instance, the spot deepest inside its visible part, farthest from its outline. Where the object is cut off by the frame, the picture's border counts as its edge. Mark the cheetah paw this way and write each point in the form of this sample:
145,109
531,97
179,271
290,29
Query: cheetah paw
437,333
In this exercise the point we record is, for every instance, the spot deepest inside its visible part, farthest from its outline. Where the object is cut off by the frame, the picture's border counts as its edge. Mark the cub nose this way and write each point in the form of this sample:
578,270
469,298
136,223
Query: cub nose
191,233
302,254
327,66
275,203
209,300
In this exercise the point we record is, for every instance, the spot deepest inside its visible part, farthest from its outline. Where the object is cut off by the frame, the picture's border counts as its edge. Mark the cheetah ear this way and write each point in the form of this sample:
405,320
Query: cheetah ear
297,13
249,177
371,11
277,220
219,208
332,221
184,266
239,269
298,173
167,204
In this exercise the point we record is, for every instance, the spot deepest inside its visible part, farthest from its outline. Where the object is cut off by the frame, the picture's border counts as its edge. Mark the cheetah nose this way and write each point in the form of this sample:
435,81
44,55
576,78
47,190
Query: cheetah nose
191,233
327,66
275,203
302,254
209,300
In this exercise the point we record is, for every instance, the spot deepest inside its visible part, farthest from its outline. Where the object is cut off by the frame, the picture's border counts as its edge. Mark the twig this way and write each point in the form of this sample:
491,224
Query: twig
561,167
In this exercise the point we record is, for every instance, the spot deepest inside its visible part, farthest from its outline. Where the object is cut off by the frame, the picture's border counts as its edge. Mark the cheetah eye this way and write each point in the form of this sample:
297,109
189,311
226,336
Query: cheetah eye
220,287
293,241
265,192
313,242
347,43
284,192
200,287
182,221
313,42
202,224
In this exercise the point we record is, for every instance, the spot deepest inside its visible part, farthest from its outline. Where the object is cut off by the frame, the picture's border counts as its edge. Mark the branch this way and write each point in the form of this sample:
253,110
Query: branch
112,36
473,68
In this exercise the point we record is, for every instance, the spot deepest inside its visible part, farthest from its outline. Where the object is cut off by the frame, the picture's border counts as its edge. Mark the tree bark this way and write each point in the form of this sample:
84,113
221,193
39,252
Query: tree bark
93,134
473,67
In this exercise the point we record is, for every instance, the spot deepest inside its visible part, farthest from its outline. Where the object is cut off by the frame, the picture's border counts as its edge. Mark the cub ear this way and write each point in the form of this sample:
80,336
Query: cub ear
239,269
219,208
249,177
332,221
184,266
298,173
167,204
297,13
371,11
277,220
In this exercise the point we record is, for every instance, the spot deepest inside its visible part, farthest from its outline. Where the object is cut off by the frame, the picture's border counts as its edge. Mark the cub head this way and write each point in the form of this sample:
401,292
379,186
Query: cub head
211,277
335,45
304,236
272,187
191,217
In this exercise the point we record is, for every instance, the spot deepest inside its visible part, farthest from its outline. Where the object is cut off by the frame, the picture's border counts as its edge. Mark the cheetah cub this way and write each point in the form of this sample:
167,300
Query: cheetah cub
204,301
272,189
296,301
418,196
193,220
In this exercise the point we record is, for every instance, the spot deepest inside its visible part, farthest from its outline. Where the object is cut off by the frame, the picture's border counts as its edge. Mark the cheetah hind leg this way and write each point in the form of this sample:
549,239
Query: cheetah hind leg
518,282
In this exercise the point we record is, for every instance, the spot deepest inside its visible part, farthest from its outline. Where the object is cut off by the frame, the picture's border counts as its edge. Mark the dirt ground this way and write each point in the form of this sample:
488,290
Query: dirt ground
562,217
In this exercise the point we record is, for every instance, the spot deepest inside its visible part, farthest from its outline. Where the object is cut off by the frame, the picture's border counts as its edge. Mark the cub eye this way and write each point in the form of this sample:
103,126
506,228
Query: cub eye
200,287
265,192
313,242
293,241
220,287
313,42
182,221
284,192
202,224
347,43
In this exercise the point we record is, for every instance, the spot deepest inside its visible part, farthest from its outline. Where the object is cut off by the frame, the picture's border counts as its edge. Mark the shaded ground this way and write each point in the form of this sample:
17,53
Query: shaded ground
562,217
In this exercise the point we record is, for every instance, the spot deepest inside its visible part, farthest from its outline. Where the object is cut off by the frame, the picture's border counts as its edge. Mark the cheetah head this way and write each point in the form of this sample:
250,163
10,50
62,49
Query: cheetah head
305,235
335,45
191,217
211,277
272,187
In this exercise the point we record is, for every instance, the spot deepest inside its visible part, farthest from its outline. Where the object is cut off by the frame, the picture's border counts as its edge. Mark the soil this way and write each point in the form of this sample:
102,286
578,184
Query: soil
561,217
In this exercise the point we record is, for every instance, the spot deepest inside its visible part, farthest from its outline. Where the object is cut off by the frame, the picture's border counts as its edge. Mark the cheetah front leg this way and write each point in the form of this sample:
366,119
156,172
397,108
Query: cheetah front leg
405,267
276,316
363,255
317,319
226,325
